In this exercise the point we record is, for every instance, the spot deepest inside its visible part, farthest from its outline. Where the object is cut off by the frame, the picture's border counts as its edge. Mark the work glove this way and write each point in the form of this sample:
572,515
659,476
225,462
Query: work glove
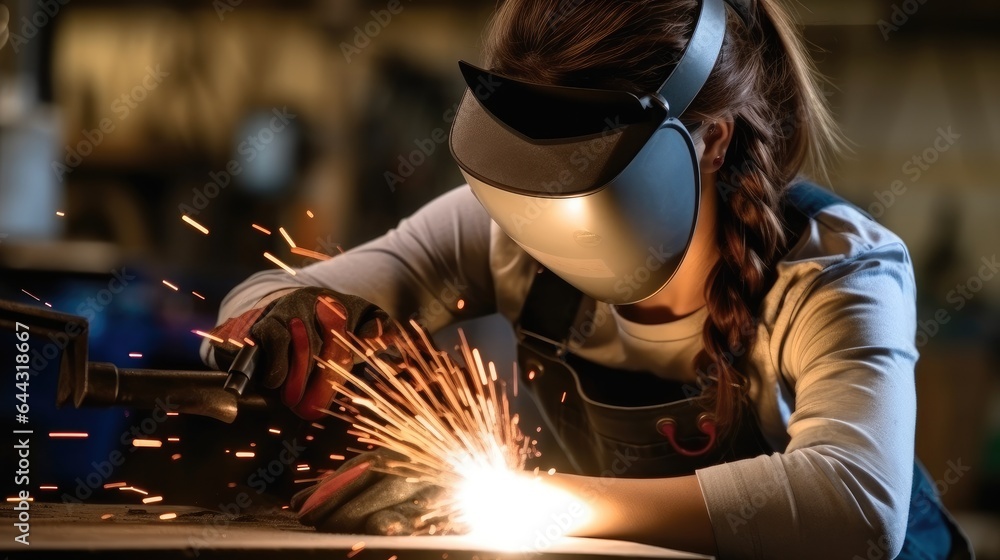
359,498
290,331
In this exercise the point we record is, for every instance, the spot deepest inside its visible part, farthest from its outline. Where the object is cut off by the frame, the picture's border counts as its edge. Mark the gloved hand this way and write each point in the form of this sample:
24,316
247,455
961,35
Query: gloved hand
359,499
290,331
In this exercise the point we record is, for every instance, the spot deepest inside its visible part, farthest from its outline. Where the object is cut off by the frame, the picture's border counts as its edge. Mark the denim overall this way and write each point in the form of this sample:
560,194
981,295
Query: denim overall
651,427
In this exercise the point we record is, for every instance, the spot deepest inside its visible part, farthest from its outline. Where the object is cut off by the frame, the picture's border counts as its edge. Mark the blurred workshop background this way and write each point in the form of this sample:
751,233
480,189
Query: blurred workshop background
326,117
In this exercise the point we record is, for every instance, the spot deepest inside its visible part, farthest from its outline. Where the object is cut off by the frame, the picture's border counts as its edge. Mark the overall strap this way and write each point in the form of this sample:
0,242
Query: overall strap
802,201
548,312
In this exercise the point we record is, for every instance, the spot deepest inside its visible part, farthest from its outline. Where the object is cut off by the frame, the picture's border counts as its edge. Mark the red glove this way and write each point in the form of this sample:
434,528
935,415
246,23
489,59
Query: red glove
293,329
361,498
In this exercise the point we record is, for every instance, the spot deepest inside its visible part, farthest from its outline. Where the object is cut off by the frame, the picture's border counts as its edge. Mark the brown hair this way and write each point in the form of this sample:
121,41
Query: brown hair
763,78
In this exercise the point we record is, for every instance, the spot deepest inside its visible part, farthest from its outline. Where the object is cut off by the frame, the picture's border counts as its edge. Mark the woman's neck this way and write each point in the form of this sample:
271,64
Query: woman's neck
685,293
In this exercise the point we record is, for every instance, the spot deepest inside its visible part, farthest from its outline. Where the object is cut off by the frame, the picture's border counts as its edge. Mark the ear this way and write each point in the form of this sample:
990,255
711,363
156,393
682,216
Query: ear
716,138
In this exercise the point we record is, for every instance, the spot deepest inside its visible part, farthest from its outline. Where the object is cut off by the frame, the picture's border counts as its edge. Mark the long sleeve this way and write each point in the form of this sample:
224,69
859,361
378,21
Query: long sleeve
422,269
842,484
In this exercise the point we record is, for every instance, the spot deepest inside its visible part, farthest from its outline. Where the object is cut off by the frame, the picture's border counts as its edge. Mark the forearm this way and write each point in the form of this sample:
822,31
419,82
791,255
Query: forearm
668,512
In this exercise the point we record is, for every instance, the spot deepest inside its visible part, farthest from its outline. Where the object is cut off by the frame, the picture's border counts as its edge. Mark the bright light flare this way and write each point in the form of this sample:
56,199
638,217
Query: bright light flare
511,510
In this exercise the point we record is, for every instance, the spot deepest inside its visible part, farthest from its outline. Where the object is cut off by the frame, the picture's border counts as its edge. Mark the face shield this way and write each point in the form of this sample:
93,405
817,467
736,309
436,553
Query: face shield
600,186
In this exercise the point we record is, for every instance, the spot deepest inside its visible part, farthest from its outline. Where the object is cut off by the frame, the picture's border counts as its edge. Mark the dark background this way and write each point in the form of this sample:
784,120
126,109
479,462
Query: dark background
361,106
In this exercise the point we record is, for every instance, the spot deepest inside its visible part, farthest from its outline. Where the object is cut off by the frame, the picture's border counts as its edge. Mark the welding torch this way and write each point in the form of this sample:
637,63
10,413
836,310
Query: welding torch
216,394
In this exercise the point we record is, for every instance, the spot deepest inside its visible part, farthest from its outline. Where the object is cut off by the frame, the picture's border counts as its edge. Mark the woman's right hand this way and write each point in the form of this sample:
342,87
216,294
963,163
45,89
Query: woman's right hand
291,331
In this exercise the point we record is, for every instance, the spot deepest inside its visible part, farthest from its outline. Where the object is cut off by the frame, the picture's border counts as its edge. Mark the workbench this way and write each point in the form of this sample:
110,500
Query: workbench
137,532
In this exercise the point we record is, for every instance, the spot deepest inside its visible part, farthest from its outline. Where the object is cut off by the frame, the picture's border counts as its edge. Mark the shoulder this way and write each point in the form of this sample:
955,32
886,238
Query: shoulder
460,203
841,232
841,240
847,282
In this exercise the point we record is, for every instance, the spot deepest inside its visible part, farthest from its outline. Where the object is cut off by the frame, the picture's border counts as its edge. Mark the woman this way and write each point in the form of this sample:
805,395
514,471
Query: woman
782,317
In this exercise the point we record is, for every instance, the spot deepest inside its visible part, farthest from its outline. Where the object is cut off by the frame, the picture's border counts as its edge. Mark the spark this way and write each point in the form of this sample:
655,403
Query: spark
278,262
454,427
461,304
134,489
263,230
327,301
31,294
146,442
195,224
60,214
337,457
197,295
274,431
310,214
107,516
173,439
135,354
287,237
48,487
171,286
17,499
563,399
114,485
211,337
152,499
235,342
245,454
173,414
166,516
47,304
318,426
68,435
311,254
302,467
175,456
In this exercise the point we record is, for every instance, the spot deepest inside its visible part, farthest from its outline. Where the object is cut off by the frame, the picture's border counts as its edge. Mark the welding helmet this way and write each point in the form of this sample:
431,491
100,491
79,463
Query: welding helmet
602,187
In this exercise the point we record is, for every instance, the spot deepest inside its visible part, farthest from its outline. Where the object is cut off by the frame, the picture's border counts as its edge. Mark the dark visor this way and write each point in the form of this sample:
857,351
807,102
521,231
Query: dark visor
548,140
